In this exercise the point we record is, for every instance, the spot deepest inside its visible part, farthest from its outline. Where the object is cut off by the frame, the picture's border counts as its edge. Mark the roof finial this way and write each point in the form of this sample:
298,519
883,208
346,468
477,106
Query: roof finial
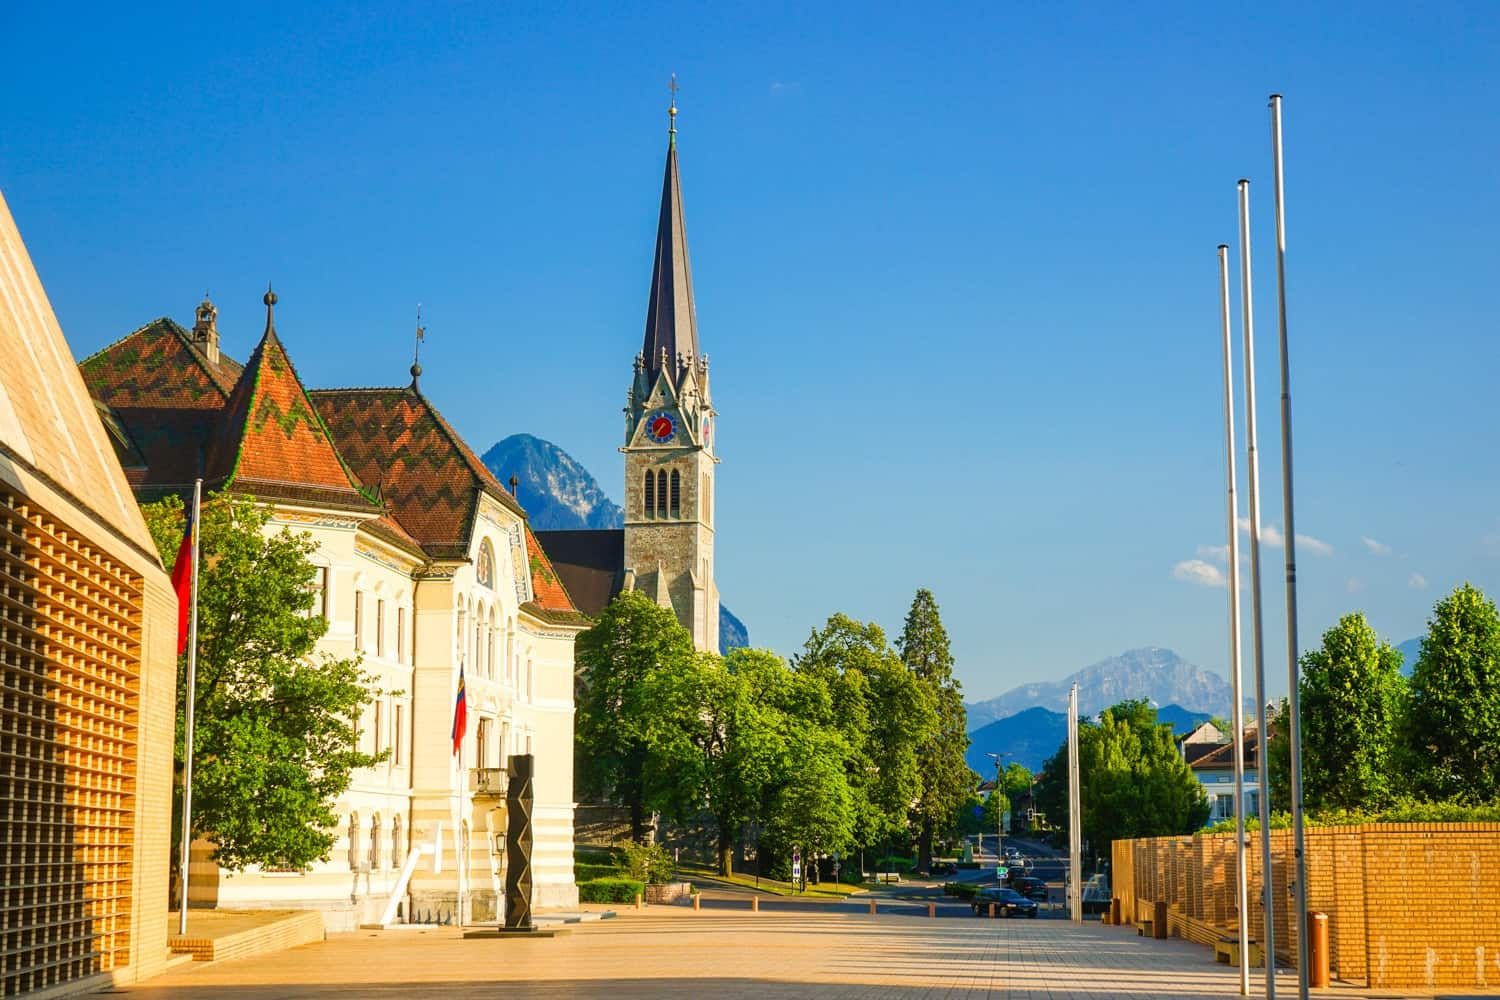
672,113
416,354
270,300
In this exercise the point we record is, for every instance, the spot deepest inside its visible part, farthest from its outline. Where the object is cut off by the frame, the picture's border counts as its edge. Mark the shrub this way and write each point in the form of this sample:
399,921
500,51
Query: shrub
901,866
650,863
610,890
963,890
1401,811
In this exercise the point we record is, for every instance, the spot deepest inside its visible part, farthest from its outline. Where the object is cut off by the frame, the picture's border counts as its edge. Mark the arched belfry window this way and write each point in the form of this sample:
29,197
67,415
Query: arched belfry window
676,505
650,493
661,493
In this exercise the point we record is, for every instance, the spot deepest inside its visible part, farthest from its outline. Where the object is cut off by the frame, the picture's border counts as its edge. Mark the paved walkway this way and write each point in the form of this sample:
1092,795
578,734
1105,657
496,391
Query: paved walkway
672,952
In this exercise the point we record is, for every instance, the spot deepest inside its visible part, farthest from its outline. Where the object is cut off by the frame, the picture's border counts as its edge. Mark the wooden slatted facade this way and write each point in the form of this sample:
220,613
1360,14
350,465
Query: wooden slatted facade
70,676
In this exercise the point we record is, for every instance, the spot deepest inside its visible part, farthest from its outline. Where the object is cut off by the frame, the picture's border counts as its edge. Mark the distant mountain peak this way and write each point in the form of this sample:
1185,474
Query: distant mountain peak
1155,673
554,487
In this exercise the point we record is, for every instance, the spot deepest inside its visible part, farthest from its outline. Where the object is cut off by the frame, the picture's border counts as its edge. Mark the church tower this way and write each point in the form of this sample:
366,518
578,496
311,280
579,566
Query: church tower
669,426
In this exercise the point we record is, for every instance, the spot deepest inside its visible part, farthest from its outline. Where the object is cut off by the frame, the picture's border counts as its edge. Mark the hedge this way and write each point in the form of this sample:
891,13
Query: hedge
610,890
902,866
1401,811
963,890
584,872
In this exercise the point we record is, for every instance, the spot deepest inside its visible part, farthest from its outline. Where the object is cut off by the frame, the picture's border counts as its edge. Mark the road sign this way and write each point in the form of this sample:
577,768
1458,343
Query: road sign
796,864
1001,871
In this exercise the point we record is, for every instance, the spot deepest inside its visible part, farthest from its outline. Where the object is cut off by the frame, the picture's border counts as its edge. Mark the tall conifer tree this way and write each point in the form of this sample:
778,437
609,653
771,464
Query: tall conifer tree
946,777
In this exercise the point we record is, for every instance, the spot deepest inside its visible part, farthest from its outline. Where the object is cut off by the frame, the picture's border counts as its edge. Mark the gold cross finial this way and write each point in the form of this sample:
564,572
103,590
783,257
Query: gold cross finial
672,108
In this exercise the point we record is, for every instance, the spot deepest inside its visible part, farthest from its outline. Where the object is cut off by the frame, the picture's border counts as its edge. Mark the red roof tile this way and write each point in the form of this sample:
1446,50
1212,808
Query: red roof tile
398,443
547,588
272,442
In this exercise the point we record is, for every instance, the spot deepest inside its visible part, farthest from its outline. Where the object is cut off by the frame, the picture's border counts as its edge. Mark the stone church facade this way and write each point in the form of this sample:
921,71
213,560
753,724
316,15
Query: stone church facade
666,549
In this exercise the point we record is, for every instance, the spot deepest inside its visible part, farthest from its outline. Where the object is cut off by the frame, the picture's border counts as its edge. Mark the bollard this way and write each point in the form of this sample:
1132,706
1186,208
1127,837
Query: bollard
637,901
1317,949
697,898
872,907
1159,921
992,911
1114,910
754,904
932,909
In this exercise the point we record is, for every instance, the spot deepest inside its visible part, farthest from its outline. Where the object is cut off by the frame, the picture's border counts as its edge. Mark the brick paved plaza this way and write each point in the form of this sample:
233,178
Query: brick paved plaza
720,953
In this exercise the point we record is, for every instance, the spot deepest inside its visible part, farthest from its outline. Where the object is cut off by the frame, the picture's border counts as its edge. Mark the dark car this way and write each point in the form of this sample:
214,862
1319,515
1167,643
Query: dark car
1008,902
1031,887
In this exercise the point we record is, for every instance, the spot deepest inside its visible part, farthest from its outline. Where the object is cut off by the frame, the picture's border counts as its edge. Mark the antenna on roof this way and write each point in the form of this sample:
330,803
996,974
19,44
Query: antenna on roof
416,355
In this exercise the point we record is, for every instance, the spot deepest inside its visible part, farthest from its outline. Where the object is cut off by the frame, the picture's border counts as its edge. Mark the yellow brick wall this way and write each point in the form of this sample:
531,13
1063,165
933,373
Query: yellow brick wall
1410,904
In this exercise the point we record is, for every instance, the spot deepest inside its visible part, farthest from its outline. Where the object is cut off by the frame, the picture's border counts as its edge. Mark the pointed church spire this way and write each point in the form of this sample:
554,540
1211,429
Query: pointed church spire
671,322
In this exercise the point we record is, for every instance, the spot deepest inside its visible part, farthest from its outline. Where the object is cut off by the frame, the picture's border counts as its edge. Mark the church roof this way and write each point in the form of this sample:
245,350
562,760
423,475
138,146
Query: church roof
400,446
167,395
272,441
549,595
590,563
671,321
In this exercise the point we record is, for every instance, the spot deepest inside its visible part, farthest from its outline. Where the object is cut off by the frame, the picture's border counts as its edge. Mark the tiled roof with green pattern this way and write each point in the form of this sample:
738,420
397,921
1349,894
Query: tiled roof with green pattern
166,394
272,441
401,447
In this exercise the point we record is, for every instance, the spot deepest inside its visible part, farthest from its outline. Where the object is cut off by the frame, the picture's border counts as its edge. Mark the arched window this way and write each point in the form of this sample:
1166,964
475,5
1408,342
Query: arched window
661,493
650,504
706,501
676,505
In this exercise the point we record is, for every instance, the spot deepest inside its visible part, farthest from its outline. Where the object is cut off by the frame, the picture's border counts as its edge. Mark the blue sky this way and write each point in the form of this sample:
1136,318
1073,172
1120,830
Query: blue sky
954,267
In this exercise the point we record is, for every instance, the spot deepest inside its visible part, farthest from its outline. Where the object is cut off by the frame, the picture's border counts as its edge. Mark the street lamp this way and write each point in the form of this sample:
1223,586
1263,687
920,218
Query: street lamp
999,817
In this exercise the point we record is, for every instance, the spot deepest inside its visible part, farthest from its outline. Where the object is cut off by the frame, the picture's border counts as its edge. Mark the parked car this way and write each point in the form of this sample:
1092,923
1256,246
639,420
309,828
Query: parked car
1030,886
1008,902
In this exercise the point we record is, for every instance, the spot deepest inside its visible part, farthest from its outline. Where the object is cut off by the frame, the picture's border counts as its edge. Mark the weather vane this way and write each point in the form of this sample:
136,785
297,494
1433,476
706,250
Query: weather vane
416,354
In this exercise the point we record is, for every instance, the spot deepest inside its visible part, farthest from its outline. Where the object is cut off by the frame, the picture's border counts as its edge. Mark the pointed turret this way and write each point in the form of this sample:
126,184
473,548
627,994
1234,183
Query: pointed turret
671,322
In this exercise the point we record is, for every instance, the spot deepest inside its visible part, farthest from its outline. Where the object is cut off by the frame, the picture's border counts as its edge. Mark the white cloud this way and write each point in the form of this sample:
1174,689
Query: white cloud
1271,535
1354,585
1378,548
1218,553
1417,582
1199,572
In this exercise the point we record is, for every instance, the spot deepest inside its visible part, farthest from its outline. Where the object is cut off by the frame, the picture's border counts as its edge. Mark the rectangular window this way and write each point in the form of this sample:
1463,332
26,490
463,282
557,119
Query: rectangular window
398,742
359,620
320,591
483,742
380,627
504,743
379,732
400,635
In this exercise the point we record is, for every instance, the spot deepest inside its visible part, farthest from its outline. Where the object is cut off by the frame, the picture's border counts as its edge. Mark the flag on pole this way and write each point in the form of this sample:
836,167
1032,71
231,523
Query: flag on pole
182,578
460,712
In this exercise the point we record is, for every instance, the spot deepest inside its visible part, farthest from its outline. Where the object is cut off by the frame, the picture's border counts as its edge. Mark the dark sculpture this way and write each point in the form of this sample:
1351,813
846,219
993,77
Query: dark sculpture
518,796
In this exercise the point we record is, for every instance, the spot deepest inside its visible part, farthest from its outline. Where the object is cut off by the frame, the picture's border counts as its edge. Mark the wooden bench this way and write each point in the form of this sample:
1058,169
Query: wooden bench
1144,928
1227,950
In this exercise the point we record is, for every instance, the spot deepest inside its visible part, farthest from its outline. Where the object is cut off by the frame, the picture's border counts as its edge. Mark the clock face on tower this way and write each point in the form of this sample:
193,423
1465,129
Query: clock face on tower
661,427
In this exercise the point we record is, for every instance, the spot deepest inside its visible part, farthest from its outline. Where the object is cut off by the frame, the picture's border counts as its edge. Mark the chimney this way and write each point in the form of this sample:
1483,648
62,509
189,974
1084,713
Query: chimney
206,330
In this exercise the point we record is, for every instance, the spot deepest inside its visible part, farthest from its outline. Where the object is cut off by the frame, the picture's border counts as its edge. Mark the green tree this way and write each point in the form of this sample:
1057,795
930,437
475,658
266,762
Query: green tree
635,707
1452,735
883,714
815,808
742,739
1352,702
1132,780
275,725
945,776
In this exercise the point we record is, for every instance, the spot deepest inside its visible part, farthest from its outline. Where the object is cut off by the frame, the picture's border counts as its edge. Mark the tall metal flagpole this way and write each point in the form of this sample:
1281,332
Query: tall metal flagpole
1293,681
1242,900
1261,762
1075,807
187,736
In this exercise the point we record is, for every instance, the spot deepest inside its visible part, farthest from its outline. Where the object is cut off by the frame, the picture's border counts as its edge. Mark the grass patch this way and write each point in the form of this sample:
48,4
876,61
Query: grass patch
774,887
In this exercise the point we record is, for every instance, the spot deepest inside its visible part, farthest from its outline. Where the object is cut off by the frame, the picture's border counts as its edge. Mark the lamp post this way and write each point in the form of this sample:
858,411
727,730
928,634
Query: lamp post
999,817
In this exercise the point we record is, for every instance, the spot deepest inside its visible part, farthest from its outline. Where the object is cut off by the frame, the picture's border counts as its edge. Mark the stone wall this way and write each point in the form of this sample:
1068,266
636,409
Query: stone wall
1409,904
